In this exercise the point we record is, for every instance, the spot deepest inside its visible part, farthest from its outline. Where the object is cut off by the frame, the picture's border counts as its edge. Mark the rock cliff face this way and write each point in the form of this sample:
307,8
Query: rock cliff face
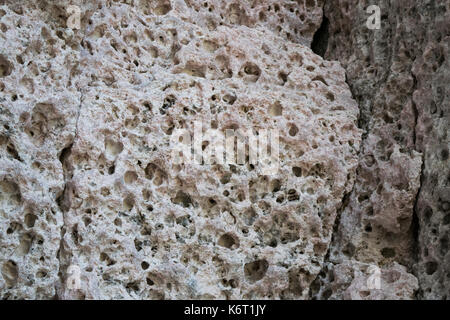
93,205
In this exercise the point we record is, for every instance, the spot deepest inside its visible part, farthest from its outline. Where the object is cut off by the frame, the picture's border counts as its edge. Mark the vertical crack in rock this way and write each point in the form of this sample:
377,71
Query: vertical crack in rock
65,153
63,202
315,287
415,111
319,44
416,230
415,225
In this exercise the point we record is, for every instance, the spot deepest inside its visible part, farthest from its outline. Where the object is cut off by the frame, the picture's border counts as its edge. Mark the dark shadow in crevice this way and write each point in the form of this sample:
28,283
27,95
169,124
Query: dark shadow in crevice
320,40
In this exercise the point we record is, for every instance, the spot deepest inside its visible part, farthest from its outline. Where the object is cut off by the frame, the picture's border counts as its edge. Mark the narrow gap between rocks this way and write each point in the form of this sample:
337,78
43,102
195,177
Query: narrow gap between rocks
319,44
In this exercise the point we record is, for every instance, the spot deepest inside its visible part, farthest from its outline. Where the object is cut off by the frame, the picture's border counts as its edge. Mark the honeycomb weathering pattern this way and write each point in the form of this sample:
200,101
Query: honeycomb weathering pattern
86,178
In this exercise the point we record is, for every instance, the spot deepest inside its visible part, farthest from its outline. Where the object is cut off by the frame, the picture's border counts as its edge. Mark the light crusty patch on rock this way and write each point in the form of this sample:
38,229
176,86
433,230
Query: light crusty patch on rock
136,225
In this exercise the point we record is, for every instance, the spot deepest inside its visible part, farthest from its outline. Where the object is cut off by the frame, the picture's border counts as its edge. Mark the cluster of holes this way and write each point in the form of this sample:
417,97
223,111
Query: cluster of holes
254,271
290,19
154,173
10,196
283,229
250,72
44,120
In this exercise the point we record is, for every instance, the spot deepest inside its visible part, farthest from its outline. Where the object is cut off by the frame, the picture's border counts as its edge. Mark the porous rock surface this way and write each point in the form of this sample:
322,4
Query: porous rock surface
85,160
87,179
398,211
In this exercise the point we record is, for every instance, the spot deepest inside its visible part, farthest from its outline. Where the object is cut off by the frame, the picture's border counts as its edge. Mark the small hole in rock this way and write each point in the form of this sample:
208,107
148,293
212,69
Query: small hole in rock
228,241
297,171
256,270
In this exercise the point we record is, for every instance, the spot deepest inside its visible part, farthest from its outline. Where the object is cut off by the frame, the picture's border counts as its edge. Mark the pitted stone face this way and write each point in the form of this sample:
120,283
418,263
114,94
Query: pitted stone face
134,224
294,21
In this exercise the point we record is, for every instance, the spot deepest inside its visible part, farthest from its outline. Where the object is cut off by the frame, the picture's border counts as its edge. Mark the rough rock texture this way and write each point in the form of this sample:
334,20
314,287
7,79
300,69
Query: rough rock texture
87,179
350,281
86,174
38,109
399,207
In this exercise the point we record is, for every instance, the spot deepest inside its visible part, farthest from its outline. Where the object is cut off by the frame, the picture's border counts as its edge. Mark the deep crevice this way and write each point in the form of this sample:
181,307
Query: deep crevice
415,225
319,43
62,203
415,110
345,202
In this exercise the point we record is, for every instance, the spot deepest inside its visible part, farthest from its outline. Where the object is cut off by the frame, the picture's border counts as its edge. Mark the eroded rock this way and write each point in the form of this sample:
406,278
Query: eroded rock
88,184
398,74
